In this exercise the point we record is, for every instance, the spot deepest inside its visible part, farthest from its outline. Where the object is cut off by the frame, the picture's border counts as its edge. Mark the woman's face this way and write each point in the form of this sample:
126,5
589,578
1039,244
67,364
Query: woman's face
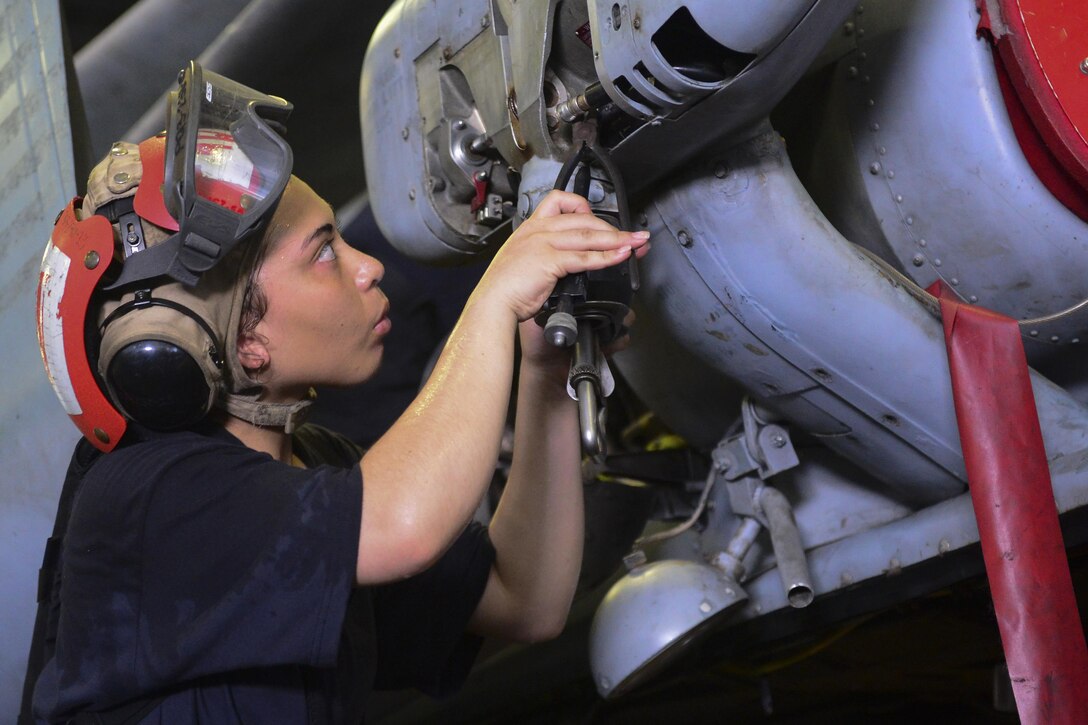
325,318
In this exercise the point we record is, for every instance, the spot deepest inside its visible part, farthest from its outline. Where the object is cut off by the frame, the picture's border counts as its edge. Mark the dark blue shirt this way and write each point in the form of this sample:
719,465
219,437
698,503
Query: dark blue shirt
221,580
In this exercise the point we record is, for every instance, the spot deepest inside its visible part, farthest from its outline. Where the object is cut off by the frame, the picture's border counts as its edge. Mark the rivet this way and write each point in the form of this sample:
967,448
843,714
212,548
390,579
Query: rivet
719,171
778,441
875,126
944,547
459,124
1054,338
937,262
91,259
404,133
922,242
596,55
1034,333
882,150
899,198
891,174
447,53
655,122
852,71
954,281
121,177
684,238
846,579
704,607
642,220
848,28
1075,340
396,52
861,32
411,194
863,55
865,79
860,9
101,435
973,298
910,221
485,21
636,22
118,150
918,260
870,102
1084,66
874,168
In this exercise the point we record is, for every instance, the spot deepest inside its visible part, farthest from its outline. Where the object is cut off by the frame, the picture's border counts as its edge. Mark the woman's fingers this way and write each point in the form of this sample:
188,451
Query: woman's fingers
561,202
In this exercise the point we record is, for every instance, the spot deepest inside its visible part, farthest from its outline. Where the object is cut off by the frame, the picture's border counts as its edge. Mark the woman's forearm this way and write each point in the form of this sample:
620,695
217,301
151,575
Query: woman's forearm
538,527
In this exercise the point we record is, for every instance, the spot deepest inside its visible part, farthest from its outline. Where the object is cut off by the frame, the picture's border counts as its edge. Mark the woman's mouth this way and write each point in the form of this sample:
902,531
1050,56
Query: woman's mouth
384,324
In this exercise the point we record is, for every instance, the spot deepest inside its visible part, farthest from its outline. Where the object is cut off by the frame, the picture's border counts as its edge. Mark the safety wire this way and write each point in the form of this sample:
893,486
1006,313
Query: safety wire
750,417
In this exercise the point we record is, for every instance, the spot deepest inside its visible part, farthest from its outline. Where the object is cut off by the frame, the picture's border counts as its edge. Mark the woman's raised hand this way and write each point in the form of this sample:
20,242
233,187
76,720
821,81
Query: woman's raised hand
561,237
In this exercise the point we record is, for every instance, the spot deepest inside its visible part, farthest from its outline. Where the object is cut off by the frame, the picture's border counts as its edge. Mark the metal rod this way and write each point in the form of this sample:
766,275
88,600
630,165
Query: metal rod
788,552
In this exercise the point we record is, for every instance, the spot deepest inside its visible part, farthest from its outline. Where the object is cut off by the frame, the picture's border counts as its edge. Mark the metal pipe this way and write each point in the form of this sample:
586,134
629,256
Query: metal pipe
788,552
586,380
730,559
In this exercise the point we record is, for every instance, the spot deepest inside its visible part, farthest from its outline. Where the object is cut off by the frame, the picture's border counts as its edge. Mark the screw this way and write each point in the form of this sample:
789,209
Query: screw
684,238
778,441
918,260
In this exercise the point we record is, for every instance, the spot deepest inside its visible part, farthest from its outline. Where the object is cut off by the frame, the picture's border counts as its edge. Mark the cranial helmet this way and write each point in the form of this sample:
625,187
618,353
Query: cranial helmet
142,282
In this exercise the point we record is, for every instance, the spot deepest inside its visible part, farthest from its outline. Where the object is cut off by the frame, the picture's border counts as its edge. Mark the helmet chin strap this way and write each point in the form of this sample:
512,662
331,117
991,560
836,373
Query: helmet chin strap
288,415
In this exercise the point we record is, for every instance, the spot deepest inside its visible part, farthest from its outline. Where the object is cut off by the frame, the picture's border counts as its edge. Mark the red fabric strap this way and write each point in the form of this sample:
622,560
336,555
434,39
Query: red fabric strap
1017,518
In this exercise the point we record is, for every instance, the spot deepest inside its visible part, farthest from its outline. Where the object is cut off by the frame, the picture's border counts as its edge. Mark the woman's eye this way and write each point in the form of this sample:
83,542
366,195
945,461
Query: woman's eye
327,253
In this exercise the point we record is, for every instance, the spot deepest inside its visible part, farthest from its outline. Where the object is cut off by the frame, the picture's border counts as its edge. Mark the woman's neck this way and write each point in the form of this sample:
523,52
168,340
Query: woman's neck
268,439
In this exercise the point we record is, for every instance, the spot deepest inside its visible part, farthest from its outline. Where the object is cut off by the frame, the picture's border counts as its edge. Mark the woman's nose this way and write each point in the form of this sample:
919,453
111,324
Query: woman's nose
369,273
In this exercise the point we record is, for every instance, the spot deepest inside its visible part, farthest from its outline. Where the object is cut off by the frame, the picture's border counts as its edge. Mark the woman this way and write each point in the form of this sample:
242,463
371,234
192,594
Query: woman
236,571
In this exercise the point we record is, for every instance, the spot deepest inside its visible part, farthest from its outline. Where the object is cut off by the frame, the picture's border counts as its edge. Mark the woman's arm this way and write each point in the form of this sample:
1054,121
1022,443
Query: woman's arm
425,477
538,526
